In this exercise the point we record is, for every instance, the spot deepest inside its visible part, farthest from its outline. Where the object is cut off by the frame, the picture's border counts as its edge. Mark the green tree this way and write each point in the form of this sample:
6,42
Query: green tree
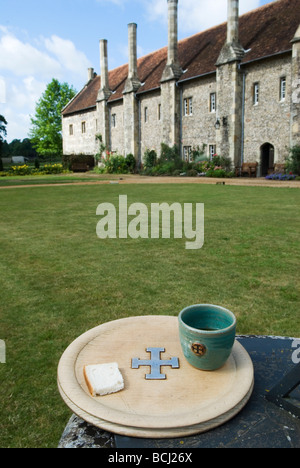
3,132
21,148
5,150
46,131
293,163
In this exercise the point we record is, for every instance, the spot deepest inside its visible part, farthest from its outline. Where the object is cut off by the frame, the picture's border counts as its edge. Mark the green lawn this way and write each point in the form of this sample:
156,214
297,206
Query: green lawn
59,280
47,179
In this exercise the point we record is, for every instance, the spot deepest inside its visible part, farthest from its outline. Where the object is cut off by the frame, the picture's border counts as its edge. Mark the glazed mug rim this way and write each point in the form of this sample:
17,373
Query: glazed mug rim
208,332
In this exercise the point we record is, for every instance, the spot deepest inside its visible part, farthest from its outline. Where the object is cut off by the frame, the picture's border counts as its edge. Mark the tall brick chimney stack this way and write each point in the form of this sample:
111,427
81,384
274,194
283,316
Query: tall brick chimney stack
232,50
132,83
132,46
233,21
230,90
173,68
172,32
104,91
130,102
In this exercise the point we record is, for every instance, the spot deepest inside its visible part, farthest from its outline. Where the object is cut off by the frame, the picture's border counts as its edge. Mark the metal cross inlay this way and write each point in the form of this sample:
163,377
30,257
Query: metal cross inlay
155,363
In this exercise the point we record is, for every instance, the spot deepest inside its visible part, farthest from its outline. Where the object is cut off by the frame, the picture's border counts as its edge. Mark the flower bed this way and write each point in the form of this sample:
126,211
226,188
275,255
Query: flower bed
280,176
25,170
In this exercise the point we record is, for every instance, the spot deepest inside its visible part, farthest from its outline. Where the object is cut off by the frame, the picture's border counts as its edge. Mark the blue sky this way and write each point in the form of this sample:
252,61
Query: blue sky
45,39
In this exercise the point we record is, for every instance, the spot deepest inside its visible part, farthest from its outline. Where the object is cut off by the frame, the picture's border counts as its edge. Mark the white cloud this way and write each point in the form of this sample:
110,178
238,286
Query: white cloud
3,29
67,54
23,59
2,90
60,55
25,93
195,15
157,10
18,124
21,98
25,69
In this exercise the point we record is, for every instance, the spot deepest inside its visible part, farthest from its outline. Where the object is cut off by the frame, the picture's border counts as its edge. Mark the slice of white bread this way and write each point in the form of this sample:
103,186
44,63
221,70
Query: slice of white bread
103,379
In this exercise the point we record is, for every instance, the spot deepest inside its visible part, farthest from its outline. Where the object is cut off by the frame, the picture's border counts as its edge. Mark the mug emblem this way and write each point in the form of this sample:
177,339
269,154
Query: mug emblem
199,349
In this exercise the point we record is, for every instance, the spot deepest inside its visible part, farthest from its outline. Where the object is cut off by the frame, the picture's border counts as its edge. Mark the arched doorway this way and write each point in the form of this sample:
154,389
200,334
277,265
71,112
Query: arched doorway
266,159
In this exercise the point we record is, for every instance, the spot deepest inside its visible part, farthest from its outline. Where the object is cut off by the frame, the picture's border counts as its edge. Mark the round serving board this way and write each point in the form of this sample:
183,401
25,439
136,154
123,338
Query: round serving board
188,401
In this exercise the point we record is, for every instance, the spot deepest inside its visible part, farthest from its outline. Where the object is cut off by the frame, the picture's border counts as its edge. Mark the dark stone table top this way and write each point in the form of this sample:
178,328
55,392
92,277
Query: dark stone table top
264,422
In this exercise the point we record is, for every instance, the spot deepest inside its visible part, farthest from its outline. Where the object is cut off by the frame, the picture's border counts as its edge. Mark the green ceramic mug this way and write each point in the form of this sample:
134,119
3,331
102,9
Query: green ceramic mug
207,334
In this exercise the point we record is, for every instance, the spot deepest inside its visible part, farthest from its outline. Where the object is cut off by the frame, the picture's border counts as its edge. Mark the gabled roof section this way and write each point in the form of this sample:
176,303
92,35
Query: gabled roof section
85,99
264,32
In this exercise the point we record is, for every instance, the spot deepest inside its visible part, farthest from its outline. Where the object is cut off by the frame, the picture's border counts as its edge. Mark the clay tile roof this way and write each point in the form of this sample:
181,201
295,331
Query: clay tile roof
270,29
264,32
150,69
198,54
85,99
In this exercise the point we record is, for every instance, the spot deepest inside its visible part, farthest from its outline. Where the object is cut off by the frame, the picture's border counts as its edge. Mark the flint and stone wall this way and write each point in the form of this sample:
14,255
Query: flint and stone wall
80,142
151,122
199,128
295,91
116,137
269,120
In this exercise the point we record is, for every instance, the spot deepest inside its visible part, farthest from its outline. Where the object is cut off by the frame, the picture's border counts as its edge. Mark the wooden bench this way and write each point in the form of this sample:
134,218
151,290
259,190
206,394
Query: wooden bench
279,168
249,169
80,167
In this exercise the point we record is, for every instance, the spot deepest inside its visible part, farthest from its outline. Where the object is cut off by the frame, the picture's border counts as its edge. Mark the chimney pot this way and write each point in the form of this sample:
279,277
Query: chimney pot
90,74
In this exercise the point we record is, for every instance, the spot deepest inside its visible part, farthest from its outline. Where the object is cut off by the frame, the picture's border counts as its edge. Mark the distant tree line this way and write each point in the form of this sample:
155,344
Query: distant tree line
18,148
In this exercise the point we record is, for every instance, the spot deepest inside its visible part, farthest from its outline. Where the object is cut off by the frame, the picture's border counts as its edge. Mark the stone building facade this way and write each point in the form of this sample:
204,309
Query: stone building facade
234,88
